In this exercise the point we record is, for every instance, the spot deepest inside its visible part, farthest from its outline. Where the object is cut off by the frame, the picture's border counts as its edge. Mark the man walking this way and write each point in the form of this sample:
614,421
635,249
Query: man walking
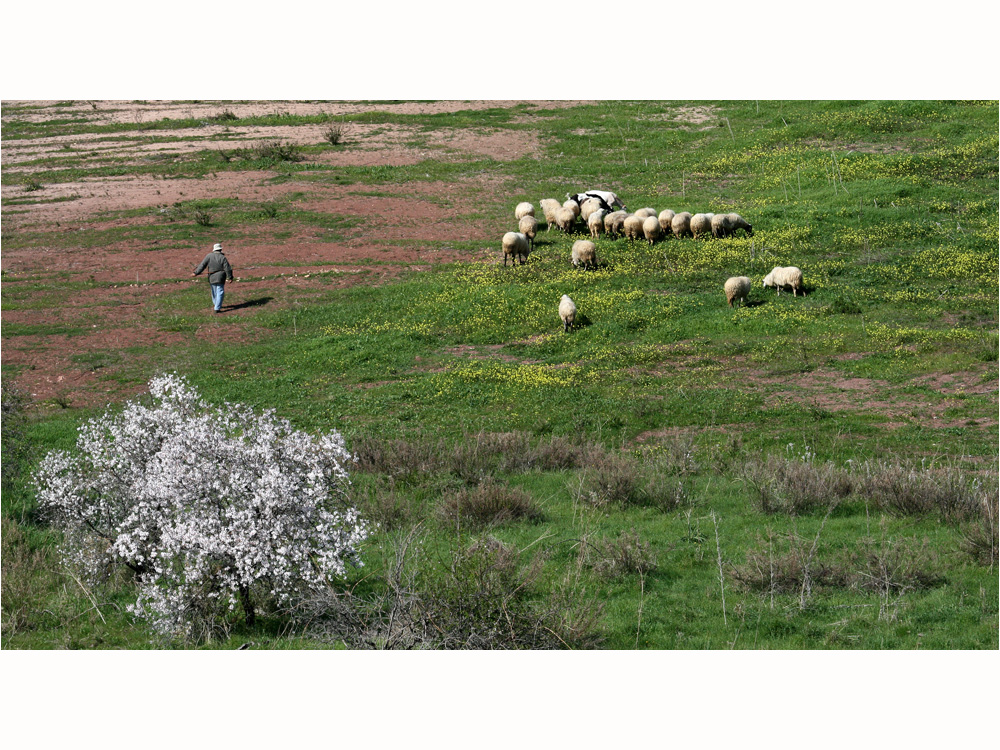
219,271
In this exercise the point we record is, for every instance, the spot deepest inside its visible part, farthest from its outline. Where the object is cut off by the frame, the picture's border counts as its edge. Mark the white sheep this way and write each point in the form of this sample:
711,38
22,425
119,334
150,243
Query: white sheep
725,225
565,218
787,276
549,208
633,227
738,289
567,311
613,222
701,224
681,224
642,213
584,253
522,210
572,206
596,223
651,229
528,226
666,217
588,207
515,245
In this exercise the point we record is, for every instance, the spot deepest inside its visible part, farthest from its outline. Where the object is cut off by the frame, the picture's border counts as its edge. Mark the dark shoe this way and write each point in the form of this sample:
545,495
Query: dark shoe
218,311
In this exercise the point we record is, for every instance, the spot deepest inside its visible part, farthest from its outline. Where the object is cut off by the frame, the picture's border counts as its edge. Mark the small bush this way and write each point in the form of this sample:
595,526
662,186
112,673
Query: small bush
786,564
489,503
845,306
614,558
271,150
781,484
482,596
612,479
950,491
979,536
887,565
16,449
226,115
335,134
203,218
23,594
30,184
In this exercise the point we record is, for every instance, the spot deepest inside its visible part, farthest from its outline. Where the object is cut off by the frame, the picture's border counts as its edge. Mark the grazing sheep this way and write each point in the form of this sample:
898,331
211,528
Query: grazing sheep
515,245
738,289
572,206
596,222
567,311
522,210
549,208
725,225
588,207
565,218
610,219
528,226
681,224
584,254
608,200
651,229
787,276
642,213
618,225
633,227
666,216
701,224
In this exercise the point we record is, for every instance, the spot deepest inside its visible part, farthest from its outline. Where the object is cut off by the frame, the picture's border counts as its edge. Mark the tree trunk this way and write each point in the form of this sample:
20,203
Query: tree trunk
247,605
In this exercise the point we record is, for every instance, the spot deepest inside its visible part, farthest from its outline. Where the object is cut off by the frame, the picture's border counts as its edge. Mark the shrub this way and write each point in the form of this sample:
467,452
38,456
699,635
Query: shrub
949,491
979,536
271,150
334,134
209,507
781,484
618,557
480,596
490,503
203,218
15,445
25,573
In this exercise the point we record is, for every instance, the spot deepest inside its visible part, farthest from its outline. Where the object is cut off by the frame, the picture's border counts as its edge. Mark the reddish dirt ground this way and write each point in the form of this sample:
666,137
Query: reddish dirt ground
391,222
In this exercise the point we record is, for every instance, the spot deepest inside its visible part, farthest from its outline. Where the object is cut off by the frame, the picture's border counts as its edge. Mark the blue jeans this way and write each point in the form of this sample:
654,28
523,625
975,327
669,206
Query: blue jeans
218,292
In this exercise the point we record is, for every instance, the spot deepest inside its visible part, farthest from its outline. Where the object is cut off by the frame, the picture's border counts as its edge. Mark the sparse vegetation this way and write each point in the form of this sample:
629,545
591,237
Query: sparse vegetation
801,472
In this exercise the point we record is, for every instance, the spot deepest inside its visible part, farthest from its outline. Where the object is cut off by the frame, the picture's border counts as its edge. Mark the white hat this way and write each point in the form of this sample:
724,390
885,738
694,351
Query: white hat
217,248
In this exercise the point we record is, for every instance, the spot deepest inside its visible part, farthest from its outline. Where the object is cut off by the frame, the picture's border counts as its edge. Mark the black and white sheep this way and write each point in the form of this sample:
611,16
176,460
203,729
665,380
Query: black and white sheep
609,201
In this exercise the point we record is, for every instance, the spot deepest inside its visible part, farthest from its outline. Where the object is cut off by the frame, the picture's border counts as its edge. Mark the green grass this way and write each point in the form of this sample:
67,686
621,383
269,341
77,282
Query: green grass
890,209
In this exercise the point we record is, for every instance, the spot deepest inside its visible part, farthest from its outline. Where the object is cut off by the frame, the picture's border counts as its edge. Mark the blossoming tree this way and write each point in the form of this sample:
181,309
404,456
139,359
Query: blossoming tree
210,507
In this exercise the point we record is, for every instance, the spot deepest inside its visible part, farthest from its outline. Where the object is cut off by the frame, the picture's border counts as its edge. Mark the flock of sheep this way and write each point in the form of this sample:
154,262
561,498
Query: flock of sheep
604,213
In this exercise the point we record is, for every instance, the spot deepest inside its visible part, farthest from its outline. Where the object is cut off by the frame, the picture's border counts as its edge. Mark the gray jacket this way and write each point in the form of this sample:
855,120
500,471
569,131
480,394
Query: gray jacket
219,270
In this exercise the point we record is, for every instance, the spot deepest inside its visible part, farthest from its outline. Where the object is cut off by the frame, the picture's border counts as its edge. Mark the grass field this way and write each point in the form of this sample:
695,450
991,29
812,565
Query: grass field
814,472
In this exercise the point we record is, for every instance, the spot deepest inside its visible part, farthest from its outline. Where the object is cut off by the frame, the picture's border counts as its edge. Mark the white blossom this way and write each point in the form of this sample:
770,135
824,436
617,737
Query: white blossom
205,504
